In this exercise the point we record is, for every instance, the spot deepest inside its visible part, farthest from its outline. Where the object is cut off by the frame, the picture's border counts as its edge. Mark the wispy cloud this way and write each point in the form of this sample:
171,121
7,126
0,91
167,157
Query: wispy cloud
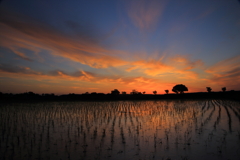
227,66
26,72
185,62
17,69
20,54
226,72
22,32
145,13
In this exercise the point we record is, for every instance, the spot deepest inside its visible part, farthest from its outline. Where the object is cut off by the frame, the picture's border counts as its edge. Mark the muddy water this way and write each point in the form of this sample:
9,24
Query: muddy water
172,129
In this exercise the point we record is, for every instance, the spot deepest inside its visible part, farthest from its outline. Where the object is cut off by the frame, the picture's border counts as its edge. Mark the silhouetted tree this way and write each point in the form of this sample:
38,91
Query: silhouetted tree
167,91
179,88
224,89
134,91
154,92
115,92
144,92
209,89
124,92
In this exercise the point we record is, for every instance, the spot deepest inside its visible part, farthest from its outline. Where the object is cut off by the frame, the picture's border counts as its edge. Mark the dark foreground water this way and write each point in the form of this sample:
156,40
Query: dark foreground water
184,130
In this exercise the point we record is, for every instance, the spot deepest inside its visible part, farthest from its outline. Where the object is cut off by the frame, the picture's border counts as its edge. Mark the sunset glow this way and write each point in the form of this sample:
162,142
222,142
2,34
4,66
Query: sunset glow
76,46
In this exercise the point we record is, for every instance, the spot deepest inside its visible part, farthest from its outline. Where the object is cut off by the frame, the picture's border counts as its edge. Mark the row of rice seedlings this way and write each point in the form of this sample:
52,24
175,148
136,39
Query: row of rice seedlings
122,133
102,130
70,129
218,116
232,113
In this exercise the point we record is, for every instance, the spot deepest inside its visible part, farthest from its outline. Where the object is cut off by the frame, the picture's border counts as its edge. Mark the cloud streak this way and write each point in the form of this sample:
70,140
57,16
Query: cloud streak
15,71
226,72
19,32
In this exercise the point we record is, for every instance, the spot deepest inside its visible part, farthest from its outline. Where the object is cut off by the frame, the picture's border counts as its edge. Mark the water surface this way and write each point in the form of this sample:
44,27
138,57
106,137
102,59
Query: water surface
171,129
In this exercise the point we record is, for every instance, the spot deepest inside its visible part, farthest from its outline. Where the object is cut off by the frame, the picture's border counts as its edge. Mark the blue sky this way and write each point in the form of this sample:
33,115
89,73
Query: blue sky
77,46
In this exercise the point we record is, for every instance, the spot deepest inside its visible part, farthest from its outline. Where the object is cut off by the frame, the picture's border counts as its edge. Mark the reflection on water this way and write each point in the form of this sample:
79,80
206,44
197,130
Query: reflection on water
207,129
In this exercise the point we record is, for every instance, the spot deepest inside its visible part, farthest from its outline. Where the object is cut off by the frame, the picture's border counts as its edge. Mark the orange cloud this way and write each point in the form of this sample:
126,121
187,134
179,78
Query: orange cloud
227,66
179,66
21,54
185,63
226,72
150,67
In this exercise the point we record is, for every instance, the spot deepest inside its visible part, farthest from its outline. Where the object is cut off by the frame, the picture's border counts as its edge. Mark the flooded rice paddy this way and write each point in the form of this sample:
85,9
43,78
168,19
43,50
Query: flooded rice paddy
171,129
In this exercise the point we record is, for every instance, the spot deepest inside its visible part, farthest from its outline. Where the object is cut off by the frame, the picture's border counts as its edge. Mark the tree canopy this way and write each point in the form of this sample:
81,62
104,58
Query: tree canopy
179,88
115,92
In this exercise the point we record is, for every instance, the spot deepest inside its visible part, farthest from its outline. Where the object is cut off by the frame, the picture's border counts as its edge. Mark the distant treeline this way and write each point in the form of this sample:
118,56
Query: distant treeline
30,96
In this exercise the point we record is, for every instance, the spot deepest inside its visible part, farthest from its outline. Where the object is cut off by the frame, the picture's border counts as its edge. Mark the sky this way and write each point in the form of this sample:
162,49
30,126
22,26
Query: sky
78,46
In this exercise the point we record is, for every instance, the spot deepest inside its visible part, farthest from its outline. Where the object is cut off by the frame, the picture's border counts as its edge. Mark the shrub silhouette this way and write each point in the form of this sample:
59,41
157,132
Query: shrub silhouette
167,91
179,88
134,91
115,92
209,89
124,92
224,89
